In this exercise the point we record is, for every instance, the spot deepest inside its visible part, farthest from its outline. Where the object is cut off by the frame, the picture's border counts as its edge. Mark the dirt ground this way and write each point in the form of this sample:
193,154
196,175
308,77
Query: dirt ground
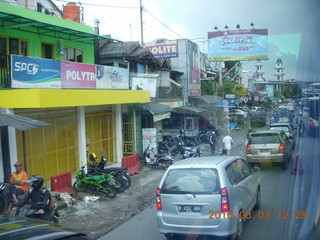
96,217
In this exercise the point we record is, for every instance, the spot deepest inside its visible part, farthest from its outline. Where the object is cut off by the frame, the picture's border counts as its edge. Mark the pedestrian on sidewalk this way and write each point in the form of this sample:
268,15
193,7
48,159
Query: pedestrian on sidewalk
213,142
228,143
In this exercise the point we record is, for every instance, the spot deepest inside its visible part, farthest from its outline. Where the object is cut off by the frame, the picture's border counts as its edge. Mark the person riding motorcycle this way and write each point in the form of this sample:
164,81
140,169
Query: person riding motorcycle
40,199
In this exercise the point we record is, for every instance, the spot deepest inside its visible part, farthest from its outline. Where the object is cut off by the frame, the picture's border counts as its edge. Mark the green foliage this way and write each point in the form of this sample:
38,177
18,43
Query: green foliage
207,87
291,91
227,87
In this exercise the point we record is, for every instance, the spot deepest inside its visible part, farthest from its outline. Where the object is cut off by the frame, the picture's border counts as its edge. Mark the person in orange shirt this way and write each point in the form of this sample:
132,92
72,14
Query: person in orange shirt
18,185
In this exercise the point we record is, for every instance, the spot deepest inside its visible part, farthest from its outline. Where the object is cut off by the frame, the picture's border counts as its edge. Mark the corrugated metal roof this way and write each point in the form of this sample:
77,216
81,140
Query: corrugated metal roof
118,48
19,122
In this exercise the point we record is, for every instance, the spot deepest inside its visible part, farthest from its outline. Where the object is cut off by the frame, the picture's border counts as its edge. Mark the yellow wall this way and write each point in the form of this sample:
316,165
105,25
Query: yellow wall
49,98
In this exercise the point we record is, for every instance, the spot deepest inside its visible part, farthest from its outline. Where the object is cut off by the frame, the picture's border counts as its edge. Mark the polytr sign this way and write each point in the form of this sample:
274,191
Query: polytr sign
31,72
237,45
163,48
78,75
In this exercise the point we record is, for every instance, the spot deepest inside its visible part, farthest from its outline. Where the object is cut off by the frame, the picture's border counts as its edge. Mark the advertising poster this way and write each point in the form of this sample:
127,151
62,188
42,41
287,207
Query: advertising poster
149,84
112,77
149,136
30,72
78,75
194,69
163,48
237,45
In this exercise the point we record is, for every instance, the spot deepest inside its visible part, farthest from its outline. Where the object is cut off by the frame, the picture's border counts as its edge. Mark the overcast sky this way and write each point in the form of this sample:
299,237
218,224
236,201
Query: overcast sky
193,19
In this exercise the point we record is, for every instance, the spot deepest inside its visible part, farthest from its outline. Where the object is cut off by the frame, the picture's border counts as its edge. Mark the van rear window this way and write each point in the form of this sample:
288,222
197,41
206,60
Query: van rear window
264,138
191,180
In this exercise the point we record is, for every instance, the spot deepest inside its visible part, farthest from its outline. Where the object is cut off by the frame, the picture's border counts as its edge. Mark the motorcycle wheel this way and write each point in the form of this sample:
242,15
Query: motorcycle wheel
109,192
3,204
126,183
79,187
175,151
122,185
54,220
167,164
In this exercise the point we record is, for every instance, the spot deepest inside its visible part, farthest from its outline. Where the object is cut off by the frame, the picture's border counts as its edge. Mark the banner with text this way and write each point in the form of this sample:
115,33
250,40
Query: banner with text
236,45
31,72
112,77
78,75
163,48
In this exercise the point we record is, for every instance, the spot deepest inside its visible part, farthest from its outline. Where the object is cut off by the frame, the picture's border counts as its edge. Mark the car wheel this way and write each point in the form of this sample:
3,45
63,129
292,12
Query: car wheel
258,200
239,233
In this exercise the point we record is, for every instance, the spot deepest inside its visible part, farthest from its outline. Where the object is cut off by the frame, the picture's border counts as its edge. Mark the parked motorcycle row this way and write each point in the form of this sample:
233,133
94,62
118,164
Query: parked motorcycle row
170,148
100,179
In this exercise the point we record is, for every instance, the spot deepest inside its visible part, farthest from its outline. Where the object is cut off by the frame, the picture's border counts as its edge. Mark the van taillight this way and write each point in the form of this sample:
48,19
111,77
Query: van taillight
224,200
281,148
158,200
248,150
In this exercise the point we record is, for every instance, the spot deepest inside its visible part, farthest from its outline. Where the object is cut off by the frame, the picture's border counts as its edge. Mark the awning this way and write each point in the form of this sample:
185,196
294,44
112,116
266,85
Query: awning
174,82
159,111
204,100
188,109
43,26
160,116
19,122
153,108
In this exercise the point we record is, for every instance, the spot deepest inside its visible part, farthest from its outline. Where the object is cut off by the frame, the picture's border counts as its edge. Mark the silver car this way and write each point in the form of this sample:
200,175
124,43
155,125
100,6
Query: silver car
207,196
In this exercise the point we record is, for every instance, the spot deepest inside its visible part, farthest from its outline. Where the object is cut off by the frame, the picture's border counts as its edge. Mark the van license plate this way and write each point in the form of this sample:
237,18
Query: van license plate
188,208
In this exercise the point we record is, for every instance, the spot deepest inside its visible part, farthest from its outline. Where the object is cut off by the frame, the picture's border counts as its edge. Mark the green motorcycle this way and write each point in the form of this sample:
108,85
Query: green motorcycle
96,183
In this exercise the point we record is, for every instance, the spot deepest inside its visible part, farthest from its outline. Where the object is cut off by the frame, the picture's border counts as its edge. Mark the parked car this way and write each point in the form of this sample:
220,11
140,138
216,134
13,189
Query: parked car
269,146
237,112
13,227
195,196
287,128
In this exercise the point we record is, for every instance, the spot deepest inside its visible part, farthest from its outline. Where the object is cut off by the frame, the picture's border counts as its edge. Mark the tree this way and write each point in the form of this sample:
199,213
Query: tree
226,87
207,87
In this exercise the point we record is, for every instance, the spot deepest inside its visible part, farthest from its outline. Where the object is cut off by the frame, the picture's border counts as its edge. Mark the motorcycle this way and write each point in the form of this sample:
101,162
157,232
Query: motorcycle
120,174
24,212
163,147
96,183
186,152
154,159
3,198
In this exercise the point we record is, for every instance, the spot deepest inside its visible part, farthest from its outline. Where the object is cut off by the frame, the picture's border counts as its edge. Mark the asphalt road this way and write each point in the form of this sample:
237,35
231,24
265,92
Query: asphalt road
288,201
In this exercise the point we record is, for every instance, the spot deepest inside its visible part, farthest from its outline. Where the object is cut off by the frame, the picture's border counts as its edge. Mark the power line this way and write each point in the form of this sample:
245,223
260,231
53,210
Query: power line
163,24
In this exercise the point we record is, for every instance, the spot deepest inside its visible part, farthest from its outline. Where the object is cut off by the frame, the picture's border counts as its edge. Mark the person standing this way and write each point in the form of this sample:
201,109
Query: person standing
213,142
228,144
18,185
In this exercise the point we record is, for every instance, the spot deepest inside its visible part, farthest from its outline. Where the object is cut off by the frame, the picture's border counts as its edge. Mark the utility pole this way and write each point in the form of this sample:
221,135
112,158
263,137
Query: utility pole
141,23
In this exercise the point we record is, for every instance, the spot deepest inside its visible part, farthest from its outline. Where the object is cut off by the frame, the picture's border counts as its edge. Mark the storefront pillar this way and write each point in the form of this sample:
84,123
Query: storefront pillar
119,139
82,138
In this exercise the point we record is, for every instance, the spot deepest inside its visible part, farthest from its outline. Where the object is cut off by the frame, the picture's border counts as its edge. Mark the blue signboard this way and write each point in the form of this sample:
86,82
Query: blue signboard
30,72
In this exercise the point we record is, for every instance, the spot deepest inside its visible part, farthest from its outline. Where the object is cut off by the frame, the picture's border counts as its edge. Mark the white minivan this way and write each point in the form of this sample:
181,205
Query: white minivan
207,196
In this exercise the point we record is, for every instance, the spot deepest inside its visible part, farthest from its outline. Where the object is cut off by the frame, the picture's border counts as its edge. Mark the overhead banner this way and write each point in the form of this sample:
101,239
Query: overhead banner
237,45
112,77
150,84
78,75
163,48
31,72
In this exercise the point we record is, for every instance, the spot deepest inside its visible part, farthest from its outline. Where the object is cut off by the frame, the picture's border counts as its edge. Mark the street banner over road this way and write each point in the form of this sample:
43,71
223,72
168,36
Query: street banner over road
237,45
